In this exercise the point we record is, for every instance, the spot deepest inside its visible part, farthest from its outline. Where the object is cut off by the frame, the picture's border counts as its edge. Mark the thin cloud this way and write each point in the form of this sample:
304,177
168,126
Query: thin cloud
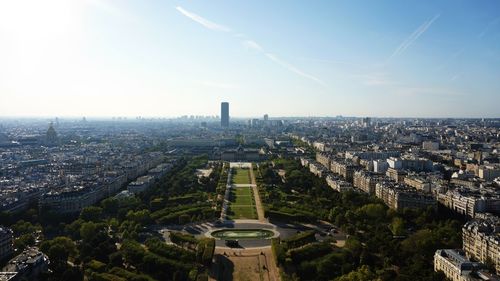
410,91
337,62
378,79
450,59
455,77
413,37
488,26
250,44
203,21
293,68
247,43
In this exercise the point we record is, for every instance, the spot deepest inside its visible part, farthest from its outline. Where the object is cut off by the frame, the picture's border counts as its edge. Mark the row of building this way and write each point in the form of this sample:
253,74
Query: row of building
471,201
342,175
143,183
73,198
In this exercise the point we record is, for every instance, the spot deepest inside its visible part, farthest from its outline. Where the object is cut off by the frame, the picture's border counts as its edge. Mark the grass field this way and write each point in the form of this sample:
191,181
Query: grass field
242,205
241,212
241,176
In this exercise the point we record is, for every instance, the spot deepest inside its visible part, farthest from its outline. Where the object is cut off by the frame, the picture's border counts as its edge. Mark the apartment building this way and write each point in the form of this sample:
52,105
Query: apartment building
5,242
366,181
455,265
481,240
399,196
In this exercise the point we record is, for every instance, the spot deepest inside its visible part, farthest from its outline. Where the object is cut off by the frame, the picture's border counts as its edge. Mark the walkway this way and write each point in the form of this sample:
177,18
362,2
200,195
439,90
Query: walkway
225,203
258,203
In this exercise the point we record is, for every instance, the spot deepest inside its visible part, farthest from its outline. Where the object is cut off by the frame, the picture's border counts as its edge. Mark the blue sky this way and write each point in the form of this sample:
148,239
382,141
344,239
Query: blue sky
284,58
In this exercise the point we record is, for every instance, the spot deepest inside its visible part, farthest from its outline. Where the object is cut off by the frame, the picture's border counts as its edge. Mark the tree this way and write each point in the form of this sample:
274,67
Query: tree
110,205
363,273
24,241
398,226
59,249
373,211
88,230
353,245
23,227
132,252
141,217
184,218
91,213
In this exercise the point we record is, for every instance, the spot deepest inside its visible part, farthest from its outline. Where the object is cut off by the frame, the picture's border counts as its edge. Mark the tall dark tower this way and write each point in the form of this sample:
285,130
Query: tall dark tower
224,114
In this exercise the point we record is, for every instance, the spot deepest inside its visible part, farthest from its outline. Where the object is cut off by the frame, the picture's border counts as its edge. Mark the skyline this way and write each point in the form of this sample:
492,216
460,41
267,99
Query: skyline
165,59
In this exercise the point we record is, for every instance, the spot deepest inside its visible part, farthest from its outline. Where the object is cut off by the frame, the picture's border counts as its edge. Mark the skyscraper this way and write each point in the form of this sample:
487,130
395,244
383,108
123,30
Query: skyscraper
224,114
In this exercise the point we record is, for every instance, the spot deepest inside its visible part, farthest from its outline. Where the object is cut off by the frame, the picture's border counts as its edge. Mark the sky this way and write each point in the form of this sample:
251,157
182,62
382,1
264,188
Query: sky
284,58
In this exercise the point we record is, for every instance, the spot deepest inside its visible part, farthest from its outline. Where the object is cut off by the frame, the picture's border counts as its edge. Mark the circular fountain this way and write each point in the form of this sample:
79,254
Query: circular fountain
243,234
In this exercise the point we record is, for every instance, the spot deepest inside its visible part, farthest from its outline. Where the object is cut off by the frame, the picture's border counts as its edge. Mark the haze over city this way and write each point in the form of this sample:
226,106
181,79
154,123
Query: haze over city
321,58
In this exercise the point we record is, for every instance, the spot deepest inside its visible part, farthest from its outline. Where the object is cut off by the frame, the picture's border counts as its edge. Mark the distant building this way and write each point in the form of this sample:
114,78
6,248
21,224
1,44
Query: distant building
489,173
400,196
430,145
241,154
419,183
317,169
470,201
367,121
51,138
321,146
224,114
338,184
380,166
396,175
345,168
366,181
305,161
412,164
323,159
141,184
5,242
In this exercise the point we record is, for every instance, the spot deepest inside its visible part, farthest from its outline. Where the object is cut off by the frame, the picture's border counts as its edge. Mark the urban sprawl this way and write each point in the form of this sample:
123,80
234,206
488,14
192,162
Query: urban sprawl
61,166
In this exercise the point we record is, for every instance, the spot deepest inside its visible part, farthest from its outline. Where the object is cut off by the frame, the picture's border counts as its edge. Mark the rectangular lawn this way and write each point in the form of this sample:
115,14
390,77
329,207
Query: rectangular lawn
242,205
241,196
243,212
241,176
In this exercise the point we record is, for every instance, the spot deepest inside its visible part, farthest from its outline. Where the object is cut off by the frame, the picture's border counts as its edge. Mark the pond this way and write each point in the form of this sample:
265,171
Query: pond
238,234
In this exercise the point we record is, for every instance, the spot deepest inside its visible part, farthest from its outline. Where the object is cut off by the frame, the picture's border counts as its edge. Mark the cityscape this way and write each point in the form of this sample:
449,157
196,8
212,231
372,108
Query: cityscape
152,141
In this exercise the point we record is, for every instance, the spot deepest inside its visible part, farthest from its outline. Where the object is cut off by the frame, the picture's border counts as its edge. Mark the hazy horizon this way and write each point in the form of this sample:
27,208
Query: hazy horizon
166,59
217,117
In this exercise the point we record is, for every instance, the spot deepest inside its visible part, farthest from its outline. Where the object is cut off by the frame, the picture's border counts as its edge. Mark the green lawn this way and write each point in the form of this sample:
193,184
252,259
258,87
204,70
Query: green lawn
236,212
241,176
242,205
241,196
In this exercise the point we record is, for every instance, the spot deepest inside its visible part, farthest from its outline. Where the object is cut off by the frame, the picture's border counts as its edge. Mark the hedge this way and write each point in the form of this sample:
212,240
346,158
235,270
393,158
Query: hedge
278,251
181,238
300,239
205,251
